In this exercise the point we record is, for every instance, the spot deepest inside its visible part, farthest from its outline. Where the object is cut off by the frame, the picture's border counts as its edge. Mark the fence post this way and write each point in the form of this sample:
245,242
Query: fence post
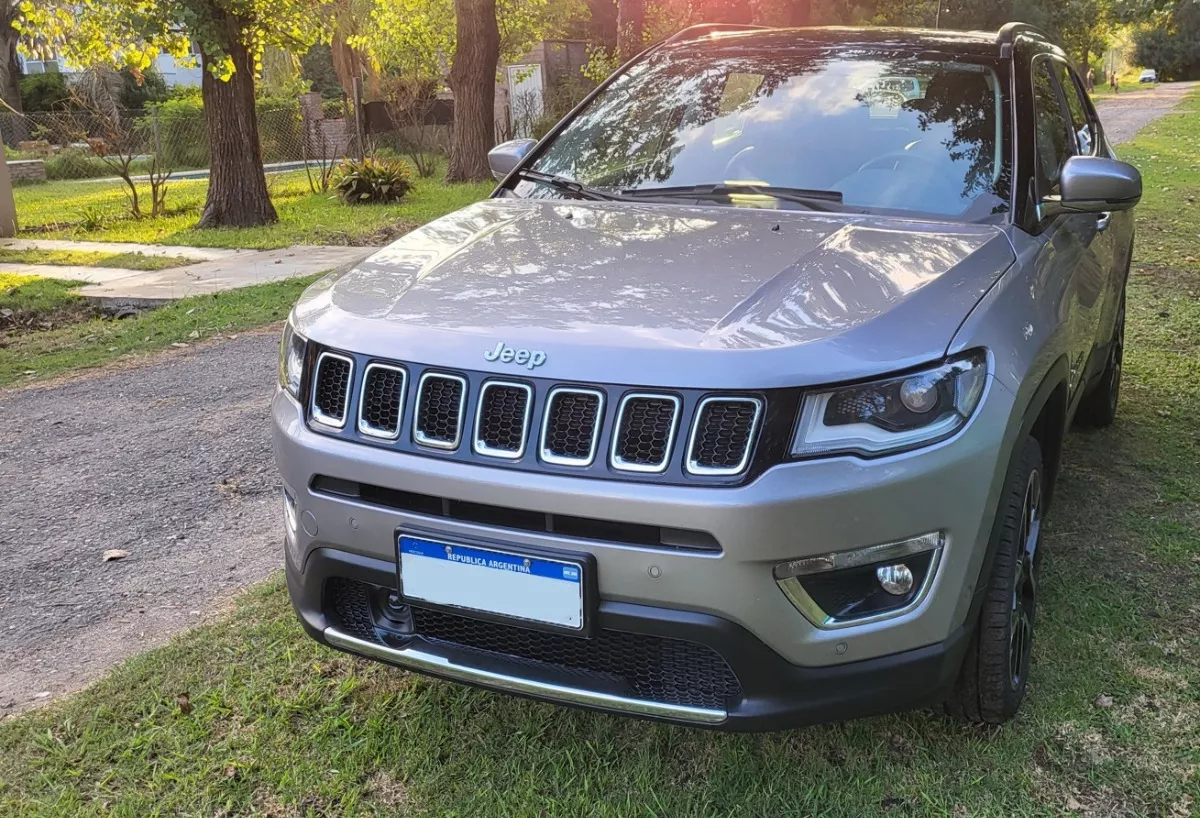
157,135
8,208
358,117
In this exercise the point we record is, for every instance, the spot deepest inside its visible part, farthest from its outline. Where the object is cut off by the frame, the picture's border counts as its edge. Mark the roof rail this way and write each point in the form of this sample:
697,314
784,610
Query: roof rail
1009,32
702,29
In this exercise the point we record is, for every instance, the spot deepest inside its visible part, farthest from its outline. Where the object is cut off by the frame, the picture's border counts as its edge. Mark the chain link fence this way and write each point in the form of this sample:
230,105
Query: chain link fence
73,144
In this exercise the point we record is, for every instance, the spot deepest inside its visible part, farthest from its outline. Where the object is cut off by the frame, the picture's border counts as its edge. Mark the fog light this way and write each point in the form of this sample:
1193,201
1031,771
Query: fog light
845,588
895,579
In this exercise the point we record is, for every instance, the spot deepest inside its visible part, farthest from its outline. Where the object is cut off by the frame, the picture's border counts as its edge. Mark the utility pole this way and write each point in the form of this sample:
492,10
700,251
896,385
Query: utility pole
937,15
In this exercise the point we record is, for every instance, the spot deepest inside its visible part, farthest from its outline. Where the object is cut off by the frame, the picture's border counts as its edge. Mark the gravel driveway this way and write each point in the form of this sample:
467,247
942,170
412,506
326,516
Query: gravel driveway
170,460
1126,113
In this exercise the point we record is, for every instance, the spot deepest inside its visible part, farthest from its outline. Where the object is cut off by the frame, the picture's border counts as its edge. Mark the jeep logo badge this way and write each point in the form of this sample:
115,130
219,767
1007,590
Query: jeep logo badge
530,358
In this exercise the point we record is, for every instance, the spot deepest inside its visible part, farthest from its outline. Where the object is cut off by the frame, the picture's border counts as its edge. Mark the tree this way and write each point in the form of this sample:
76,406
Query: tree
231,35
10,66
460,43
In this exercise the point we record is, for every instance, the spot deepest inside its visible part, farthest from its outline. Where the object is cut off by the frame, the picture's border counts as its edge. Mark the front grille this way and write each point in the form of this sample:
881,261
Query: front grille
502,419
653,668
572,426
722,436
382,397
331,389
645,432
440,400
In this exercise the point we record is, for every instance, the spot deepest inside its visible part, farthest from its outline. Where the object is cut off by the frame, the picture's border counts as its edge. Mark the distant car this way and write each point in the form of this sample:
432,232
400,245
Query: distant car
740,401
1149,75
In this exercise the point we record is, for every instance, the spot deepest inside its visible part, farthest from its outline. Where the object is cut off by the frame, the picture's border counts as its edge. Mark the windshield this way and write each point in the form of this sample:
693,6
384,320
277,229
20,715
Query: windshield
887,132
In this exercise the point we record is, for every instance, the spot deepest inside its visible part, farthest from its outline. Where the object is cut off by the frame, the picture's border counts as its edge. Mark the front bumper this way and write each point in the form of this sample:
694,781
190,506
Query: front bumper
790,671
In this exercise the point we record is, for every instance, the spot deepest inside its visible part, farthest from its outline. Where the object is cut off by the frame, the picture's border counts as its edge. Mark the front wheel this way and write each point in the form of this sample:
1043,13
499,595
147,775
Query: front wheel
991,683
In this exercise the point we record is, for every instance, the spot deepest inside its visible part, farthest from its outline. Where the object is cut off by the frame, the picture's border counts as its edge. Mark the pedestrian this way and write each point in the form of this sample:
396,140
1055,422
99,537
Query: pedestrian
1091,80
1112,81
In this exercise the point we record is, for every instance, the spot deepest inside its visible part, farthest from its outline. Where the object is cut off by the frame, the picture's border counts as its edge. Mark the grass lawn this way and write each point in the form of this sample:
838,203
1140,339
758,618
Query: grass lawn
85,343
273,724
60,258
60,210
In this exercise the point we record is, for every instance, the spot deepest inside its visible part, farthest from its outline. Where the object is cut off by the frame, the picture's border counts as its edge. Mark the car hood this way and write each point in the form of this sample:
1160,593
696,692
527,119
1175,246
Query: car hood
666,295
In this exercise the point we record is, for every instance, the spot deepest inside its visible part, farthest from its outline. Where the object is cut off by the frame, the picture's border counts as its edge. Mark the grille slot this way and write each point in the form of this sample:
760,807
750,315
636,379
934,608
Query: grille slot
381,402
723,435
571,428
439,416
645,432
502,419
331,389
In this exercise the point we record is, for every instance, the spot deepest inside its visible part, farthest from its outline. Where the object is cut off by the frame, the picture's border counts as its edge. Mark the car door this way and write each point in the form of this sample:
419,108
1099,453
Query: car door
1071,258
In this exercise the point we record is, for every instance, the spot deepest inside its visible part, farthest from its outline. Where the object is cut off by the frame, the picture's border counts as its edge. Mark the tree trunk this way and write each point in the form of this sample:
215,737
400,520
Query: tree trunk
631,15
473,81
237,188
10,73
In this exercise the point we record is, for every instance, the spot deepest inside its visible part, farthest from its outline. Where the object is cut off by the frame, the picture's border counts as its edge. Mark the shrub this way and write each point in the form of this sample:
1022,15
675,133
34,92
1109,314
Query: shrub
77,163
334,108
44,92
372,180
182,133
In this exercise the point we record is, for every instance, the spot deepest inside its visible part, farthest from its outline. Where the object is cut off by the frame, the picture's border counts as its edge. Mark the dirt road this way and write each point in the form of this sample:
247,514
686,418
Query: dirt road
1126,113
169,461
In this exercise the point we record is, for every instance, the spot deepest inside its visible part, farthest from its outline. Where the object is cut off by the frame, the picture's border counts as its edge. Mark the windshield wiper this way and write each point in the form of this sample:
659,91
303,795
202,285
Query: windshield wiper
569,185
812,199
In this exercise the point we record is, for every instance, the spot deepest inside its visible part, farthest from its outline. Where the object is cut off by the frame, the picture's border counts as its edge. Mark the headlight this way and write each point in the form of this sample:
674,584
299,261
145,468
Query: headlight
894,414
292,350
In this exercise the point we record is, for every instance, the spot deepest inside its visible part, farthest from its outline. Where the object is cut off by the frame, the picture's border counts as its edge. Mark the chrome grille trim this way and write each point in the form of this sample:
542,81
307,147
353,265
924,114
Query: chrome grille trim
548,456
619,463
318,415
376,431
434,443
690,463
482,448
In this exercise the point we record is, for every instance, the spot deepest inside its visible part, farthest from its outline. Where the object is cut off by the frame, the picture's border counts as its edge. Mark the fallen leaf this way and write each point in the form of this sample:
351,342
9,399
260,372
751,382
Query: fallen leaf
184,700
1103,701
194,333
1073,805
114,554
179,345
189,312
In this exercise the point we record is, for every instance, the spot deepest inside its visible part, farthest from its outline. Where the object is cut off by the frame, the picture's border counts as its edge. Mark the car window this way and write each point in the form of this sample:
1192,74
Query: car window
1052,130
1085,136
888,132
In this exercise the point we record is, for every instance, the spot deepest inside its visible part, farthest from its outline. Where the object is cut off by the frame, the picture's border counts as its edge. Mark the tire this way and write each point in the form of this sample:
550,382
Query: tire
992,680
1099,407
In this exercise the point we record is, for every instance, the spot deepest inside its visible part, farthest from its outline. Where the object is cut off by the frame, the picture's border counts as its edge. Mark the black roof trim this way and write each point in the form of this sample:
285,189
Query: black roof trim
703,29
1009,32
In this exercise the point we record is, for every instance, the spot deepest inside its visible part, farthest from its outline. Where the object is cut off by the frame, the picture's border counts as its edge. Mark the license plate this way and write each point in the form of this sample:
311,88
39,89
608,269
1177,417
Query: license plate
520,586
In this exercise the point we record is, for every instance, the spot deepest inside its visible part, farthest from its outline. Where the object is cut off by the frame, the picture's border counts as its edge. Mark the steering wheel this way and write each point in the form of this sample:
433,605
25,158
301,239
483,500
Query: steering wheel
891,161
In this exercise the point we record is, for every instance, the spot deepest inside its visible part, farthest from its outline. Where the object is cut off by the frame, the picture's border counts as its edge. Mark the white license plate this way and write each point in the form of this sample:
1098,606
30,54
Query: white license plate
481,579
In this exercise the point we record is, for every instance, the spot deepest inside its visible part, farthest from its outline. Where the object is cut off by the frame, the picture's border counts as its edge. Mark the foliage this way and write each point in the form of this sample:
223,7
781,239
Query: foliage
416,38
44,92
316,66
182,133
81,163
1171,45
140,88
372,180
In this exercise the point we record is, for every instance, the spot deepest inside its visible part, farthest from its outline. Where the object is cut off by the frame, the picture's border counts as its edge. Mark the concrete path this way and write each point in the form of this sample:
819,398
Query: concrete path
171,250
151,289
216,269
1126,113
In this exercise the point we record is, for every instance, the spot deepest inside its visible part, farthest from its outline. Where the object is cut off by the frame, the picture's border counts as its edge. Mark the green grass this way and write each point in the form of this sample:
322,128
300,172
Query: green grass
89,343
34,304
57,210
60,258
280,726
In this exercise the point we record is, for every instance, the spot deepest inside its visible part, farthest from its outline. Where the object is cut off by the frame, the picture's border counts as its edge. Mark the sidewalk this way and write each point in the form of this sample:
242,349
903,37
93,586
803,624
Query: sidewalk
216,270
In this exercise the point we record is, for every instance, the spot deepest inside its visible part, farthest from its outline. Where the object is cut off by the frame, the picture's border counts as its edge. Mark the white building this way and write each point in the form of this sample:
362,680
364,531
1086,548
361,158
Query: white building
172,72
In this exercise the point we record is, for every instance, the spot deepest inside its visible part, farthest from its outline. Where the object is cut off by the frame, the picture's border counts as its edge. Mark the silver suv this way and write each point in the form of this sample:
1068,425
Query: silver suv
740,402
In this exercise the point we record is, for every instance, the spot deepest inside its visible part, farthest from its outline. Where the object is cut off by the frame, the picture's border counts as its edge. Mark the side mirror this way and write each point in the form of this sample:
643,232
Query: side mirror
1094,184
507,155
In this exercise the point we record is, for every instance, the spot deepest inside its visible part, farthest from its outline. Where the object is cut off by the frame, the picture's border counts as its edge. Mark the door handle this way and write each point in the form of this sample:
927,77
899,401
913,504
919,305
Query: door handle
1102,221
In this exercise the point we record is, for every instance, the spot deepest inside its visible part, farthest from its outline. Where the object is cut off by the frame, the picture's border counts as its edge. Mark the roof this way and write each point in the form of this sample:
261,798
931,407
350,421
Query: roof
960,42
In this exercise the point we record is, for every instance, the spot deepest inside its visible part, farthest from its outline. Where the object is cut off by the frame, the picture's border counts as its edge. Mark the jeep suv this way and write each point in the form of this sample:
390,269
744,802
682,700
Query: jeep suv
740,402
